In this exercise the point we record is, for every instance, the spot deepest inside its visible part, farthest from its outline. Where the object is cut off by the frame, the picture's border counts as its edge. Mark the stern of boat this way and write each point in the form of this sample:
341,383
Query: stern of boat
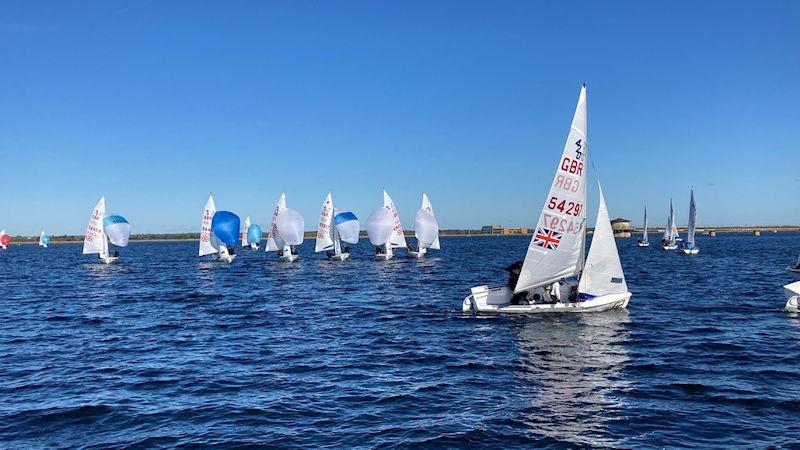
487,298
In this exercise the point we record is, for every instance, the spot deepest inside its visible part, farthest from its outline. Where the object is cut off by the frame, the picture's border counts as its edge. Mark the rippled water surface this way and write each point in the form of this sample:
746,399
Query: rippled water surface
165,349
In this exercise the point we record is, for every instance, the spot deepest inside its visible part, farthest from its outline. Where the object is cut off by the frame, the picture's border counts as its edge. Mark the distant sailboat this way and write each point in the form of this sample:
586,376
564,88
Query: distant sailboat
210,243
335,226
103,228
670,231
5,240
254,236
43,240
426,229
555,256
384,230
796,266
644,242
286,231
689,246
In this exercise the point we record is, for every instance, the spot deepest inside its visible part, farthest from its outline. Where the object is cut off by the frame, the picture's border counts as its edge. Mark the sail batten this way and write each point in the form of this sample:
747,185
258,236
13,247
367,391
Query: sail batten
557,246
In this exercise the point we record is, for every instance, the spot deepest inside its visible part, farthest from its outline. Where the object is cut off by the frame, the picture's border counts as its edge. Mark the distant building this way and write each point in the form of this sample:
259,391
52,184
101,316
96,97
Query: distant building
491,229
514,231
622,228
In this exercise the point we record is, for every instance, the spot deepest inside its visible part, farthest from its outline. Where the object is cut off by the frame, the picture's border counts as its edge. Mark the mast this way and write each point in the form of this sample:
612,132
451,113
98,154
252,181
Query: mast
582,260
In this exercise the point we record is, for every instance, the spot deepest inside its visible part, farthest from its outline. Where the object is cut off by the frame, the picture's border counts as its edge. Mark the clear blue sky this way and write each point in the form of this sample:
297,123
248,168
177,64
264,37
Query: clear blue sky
155,104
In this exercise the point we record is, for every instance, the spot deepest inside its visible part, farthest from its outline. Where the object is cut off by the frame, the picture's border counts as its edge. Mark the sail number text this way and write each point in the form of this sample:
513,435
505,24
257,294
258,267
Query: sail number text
570,208
567,183
572,166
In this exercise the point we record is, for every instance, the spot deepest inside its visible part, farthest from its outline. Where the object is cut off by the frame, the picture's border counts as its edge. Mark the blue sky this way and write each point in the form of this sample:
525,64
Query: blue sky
155,104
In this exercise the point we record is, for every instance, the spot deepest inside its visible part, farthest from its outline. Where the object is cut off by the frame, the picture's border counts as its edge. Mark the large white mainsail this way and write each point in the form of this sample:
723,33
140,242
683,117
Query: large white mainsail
243,232
398,238
602,272
274,241
208,242
673,229
556,249
95,239
692,220
324,238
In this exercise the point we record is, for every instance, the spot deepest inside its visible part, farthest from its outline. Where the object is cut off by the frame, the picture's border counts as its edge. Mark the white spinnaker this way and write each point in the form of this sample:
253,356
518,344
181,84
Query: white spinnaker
208,242
644,234
291,226
324,239
274,241
380,226
602,273
428,225
556,249
692,219
398,238
348,230
95,239
243,232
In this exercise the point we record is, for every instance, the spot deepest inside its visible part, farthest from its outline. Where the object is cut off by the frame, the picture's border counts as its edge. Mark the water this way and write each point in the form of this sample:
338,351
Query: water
164,350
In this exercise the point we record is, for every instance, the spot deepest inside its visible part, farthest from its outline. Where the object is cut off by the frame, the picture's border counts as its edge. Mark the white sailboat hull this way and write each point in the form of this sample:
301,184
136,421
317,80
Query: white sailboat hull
224,258
339,257
691,251
485,299
792,291
418,255
383,257
643,244
254,246
109,259
289,258
670,247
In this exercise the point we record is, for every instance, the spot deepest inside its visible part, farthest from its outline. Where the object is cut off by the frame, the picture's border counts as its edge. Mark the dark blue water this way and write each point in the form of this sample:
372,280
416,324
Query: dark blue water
166,350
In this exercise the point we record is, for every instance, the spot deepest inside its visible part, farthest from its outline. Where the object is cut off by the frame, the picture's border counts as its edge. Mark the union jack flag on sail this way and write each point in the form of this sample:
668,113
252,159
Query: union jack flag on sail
547,238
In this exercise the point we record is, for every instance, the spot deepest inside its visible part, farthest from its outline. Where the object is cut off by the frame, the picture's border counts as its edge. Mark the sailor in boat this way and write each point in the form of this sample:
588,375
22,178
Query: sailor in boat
293,249
378,250
231,250
513,276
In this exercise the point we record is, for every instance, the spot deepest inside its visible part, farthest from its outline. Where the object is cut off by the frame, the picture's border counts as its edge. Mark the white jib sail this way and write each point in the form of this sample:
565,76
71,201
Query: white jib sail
398,238
428,227
556,249
602,273
208,244
644,234
692,219
95,239
243,232
274,241
324,239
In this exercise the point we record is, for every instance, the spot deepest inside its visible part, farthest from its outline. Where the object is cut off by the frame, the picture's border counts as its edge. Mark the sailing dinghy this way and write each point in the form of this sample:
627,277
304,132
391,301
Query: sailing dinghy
688,247
796,266
555,256
254,236
286,231
43,240
643,241
243,233
210,243
792,291
426,229
335,226
5,239
669,242
102,229
384,230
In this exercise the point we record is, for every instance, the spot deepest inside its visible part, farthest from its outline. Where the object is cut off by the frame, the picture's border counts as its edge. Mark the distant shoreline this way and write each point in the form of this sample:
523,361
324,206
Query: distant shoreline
443,233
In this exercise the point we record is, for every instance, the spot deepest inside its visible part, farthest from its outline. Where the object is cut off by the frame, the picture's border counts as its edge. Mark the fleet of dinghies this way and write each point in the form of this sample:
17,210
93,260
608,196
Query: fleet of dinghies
556,274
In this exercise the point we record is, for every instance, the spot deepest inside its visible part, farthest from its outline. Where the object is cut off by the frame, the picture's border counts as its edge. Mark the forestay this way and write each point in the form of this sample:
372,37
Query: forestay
324,239
274,241
95,239
602,273
398,238
208,244
556,249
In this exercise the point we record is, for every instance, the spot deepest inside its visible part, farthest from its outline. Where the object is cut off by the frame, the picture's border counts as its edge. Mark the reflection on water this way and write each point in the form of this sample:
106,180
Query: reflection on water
569,368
